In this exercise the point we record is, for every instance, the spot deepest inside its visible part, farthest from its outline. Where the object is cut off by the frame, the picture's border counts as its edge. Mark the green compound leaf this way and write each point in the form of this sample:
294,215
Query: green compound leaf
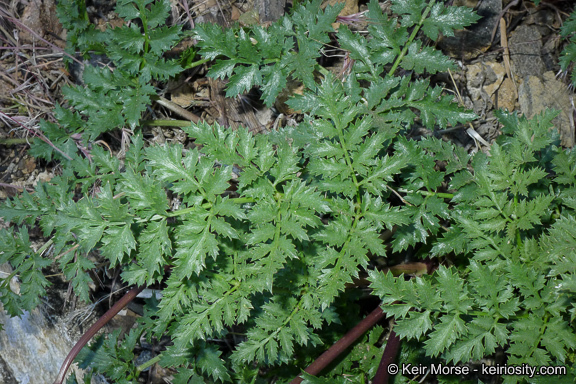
445,19
119,241
449,329
162,39
427,59
243,80
129,38
414,325
157,14
194,242
411,11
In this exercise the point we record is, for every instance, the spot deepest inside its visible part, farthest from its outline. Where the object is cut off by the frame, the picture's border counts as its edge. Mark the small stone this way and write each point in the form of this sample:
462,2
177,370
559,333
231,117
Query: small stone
45,176
29,165
505,97
183,95
474,80
495,73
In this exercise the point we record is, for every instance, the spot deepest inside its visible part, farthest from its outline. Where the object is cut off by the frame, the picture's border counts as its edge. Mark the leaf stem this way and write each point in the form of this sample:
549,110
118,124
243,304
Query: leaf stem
14,141
442,195
542,330
147,364
166,123
518,236
184,211
197,63
144,21
411,38
45,246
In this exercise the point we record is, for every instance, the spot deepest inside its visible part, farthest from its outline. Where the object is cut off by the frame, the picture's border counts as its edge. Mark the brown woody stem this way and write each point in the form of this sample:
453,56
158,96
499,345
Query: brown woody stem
332,353
389,356
128,297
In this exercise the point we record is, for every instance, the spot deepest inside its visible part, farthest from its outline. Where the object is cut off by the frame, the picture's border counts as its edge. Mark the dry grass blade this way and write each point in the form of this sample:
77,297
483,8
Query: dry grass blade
22,26
506,54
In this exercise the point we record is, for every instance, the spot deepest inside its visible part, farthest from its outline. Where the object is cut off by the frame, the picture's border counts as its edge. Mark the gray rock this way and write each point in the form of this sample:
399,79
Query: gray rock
525,46
469,43
31,349
537,94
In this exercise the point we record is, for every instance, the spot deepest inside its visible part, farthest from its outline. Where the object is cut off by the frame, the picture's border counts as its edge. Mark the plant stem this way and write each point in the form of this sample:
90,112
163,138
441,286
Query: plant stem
237,200
442,195
43,248
166,123
14,141
411,38
147,364
389,356
335,350
128,297
197,63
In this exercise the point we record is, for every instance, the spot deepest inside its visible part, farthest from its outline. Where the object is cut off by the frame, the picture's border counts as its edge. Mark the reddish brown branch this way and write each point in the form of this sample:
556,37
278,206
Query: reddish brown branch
335,350
128,297
389,356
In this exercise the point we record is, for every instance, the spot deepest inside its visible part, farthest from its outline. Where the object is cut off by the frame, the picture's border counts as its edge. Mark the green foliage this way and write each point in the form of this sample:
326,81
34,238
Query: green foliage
267,56
116,94
258,279
568,55
80,33
27,265
510,292
113,356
